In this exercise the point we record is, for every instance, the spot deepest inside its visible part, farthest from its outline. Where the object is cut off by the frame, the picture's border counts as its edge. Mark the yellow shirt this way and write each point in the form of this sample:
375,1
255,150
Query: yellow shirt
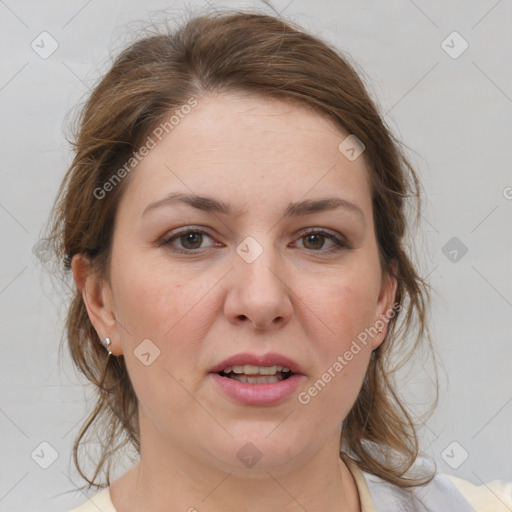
362,488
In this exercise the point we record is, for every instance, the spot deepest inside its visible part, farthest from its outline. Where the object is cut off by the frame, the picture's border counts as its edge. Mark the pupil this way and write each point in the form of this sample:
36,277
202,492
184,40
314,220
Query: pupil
192,238
315,237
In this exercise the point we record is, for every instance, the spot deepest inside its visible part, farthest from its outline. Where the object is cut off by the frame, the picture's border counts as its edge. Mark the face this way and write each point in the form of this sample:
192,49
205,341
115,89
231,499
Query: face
272,285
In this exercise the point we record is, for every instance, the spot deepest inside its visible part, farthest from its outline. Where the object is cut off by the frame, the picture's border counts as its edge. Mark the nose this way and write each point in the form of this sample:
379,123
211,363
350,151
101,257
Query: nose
258,292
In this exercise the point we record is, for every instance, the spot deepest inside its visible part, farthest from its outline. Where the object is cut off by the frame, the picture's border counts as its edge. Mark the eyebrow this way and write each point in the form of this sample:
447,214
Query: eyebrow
297,209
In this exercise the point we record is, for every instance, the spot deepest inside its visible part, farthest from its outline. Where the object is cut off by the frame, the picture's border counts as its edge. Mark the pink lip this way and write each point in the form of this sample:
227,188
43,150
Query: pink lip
270,359
258,394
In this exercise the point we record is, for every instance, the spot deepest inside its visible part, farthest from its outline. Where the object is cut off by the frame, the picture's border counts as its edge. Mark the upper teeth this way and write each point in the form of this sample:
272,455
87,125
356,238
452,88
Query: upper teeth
256,370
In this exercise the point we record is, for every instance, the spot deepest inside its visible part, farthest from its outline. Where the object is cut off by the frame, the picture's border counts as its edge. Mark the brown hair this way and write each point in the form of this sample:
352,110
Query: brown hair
262,54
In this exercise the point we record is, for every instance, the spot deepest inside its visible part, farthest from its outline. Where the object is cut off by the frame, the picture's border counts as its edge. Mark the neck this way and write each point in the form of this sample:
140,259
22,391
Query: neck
171,479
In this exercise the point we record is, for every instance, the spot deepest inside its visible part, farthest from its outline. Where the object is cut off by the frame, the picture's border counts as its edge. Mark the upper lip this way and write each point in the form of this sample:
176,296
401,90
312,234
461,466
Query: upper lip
270,359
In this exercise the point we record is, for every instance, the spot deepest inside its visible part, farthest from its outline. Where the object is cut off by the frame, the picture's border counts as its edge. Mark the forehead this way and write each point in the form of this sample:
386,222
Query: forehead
251,123
251,148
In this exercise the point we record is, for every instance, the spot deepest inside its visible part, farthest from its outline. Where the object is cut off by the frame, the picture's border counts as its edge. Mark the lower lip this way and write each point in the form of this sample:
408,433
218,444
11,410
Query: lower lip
270,393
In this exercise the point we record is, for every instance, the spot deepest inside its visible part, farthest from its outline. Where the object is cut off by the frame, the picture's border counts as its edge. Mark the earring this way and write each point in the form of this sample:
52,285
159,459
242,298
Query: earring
107,343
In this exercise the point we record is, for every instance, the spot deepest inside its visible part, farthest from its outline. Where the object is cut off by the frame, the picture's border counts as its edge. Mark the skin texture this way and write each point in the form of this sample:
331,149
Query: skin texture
298,298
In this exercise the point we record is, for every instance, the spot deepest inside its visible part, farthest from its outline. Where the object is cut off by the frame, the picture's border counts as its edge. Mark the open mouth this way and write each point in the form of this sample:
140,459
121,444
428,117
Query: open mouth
256,374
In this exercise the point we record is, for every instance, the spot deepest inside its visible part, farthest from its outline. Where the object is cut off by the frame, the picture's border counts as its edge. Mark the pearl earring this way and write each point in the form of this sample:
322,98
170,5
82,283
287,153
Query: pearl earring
107,343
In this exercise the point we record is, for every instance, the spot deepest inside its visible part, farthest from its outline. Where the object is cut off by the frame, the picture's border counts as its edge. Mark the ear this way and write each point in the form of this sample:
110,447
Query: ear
386,306
97,297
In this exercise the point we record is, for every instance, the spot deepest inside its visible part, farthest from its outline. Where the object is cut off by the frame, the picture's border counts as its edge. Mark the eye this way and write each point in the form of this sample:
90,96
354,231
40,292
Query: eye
190,241
315,239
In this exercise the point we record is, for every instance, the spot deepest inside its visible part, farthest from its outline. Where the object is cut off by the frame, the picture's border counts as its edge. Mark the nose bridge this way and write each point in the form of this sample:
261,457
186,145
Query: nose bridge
258,260
260,294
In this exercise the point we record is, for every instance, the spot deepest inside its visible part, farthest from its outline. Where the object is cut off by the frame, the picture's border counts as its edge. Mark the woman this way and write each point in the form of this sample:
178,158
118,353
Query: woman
234,220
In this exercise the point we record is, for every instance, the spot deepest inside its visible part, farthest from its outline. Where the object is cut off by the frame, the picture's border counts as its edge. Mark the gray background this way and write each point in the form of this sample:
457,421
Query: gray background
455,113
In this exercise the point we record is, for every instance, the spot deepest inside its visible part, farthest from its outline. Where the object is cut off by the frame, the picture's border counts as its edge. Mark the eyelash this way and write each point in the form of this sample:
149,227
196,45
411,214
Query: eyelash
339,242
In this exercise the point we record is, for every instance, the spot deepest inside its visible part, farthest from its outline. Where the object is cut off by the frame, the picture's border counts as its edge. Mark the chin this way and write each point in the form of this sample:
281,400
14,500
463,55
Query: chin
253,450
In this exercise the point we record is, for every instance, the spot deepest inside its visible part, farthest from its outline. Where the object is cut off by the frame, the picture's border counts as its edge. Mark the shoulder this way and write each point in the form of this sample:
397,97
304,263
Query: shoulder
440,494
493,496
443,492
100,501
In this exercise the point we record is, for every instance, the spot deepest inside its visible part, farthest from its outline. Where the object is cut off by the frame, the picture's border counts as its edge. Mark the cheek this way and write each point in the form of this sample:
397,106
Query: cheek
155,300
173,313
345,304
346,316
342,309
341,359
